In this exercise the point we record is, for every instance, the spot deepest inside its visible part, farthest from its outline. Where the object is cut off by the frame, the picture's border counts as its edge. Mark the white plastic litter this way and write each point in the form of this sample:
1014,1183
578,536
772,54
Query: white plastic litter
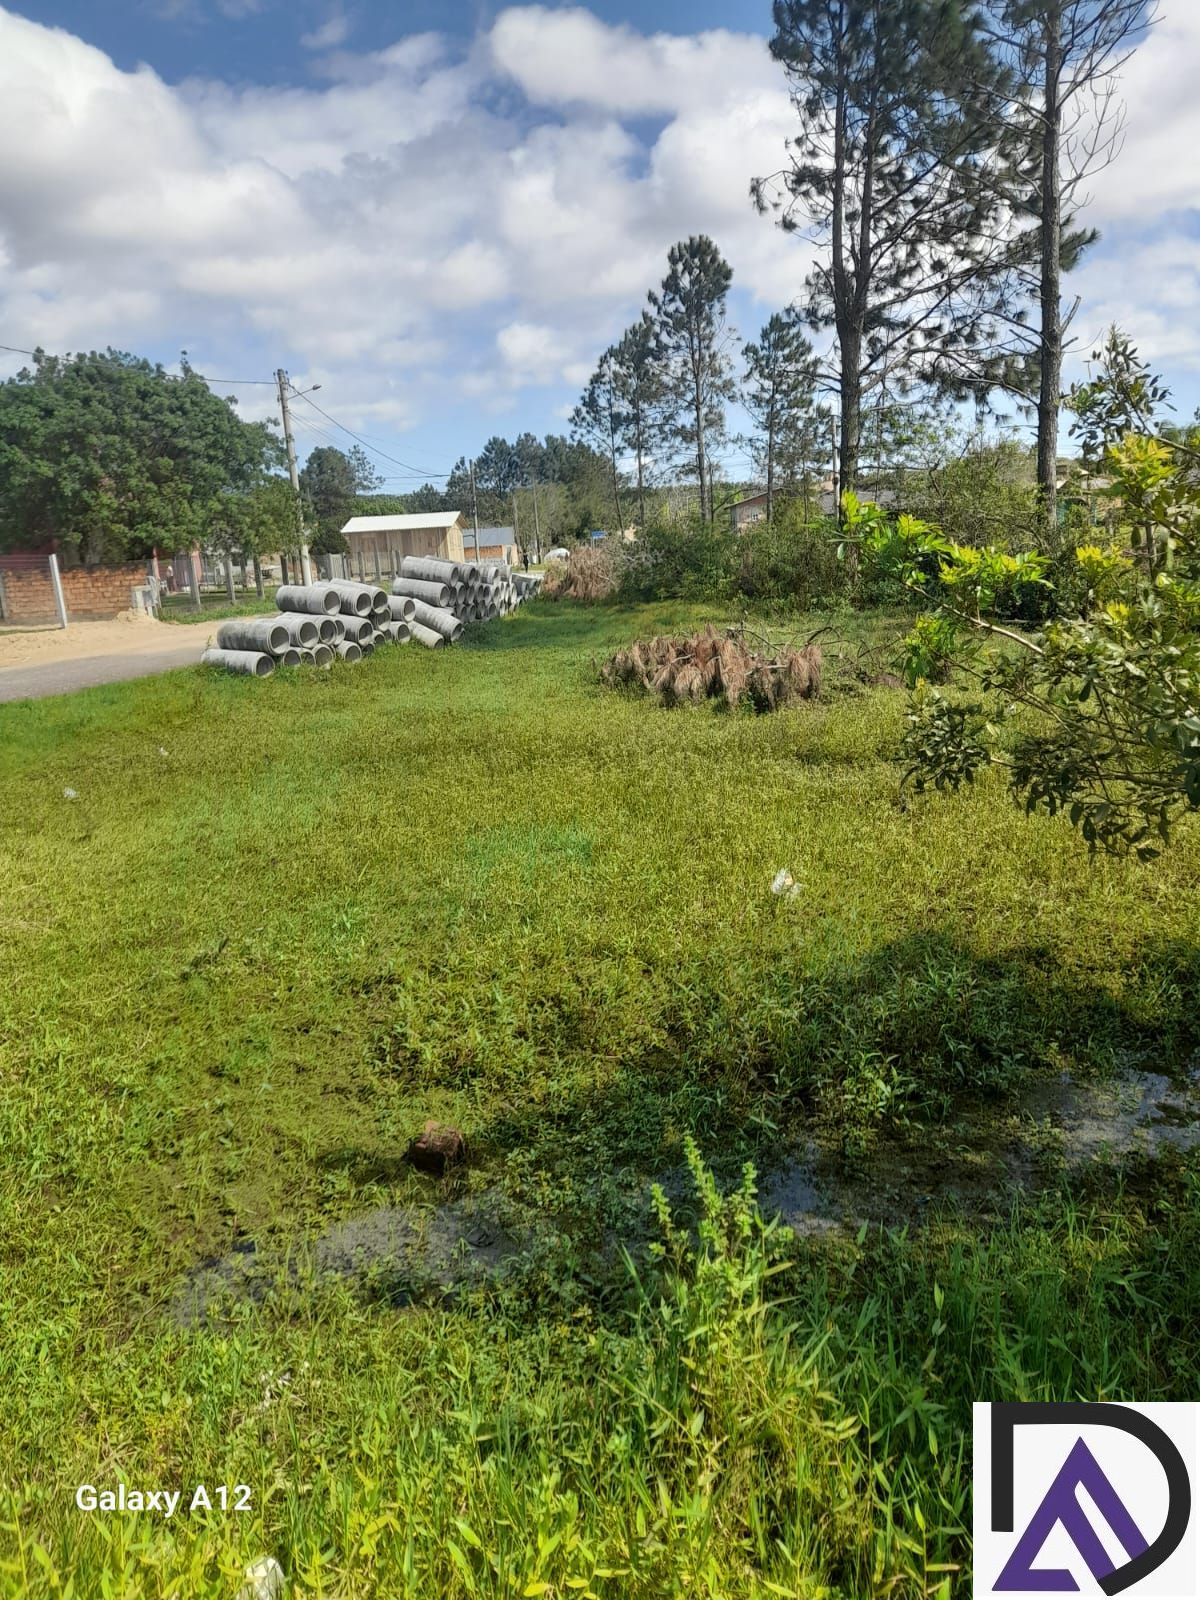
783,883
264,1581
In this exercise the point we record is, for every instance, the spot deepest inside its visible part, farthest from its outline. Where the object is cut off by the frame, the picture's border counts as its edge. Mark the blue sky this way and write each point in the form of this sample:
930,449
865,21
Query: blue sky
442,213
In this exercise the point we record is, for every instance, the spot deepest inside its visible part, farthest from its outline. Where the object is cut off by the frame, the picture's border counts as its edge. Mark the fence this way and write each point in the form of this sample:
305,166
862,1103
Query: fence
35,590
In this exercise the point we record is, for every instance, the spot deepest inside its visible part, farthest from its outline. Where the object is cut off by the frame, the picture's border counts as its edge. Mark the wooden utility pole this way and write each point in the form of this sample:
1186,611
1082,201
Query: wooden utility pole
475,510
281,379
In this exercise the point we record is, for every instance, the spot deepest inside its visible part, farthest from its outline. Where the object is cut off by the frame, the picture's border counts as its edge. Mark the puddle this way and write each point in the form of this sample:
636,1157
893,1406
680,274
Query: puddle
394,1253
1137,1113
401,1254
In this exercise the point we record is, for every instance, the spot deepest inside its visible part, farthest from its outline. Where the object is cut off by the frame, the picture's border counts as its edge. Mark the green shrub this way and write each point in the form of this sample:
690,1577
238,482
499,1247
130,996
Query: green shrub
690,559
791,559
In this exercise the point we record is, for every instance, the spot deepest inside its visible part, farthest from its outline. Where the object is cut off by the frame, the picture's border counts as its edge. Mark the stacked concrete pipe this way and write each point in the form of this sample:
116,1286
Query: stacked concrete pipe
432,591
252,663
317,598
444,622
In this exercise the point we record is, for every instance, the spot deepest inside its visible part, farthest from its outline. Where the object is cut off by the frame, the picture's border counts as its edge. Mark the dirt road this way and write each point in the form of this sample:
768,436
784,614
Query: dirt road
39,662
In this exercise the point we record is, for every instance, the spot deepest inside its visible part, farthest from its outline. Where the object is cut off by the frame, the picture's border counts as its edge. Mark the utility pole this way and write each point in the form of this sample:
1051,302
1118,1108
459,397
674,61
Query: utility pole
475,510
537,529
516,527
281,378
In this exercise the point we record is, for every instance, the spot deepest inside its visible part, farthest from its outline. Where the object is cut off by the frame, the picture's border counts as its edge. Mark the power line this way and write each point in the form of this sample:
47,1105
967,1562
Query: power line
420,472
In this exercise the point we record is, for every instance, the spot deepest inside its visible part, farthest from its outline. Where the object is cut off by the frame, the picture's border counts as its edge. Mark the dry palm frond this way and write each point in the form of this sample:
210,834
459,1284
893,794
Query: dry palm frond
717,666
589,576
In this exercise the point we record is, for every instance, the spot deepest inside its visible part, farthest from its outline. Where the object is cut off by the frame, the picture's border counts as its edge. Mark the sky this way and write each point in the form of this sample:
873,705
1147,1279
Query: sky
441,213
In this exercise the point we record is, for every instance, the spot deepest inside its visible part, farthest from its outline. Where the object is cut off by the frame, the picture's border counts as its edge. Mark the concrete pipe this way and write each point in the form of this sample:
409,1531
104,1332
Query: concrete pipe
426,636
253,663
433,594
253,633
304,631
354,599
322,655
399,632
366,647
443,622
431,569
347,651
307,659
339,631
289,657
317,599
401,607
328,631
357,629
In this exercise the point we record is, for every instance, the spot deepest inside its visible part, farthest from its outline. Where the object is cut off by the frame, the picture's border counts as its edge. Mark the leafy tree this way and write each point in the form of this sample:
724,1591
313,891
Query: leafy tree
637,364
329,482
885,174
780,393
1099,717
111,457
689,312
597,420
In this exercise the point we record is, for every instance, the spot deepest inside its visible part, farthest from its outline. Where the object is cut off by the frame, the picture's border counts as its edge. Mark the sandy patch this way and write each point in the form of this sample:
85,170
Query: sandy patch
130,633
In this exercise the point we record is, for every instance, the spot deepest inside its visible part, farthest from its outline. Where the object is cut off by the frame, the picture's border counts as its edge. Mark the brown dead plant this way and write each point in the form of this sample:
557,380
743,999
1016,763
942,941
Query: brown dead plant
589,576
717,666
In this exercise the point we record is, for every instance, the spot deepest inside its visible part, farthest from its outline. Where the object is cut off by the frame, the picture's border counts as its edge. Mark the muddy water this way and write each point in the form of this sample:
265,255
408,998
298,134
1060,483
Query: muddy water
977,1164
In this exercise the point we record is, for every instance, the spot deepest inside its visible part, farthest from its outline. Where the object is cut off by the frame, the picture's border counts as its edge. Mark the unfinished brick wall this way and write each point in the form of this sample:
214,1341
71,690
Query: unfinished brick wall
92,594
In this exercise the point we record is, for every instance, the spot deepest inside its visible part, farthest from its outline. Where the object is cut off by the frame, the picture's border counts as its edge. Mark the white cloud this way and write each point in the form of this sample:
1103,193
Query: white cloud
434,220
332,33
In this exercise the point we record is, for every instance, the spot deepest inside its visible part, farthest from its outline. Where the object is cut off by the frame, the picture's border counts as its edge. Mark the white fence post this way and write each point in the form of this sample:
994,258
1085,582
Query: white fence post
59,601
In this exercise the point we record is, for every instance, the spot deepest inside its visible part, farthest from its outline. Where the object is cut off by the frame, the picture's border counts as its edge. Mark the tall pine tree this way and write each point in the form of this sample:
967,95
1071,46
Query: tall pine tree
780,394
888,175
1056,122
638,380
689,311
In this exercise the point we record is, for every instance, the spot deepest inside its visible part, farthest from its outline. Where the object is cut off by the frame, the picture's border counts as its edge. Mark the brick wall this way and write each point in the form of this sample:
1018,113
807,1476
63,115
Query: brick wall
91,593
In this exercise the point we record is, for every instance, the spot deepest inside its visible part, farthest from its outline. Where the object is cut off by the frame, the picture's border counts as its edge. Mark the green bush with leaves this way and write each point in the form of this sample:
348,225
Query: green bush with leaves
690,559
1098,716
792,559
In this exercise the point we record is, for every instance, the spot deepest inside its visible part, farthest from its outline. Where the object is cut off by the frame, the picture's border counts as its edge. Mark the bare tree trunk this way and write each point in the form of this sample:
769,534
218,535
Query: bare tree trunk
1050,384
770,466
258,579
850,411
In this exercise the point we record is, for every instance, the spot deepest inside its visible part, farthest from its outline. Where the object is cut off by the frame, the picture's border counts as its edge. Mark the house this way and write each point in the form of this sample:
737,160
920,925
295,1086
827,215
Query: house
495,544
378,544
744,513
752,508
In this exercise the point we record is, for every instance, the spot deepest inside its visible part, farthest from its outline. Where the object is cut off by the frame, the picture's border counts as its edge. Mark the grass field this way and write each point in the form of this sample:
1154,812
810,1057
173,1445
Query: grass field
287,921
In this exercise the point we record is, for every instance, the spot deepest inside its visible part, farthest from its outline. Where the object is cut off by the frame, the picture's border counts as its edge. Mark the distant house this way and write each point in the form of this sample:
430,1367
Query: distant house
379,544
744,513
495,544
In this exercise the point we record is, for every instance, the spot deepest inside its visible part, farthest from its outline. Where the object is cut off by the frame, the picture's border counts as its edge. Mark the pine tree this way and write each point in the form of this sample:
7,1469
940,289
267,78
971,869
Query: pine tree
1057,122
888,174
780,394
638,381
597,420
689,312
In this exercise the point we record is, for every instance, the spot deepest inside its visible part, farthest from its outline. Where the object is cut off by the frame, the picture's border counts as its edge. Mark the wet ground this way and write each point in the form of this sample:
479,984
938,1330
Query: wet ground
978,1164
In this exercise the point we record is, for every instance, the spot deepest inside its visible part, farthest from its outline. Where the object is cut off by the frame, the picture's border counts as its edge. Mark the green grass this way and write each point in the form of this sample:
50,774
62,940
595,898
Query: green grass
287,921
213,607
